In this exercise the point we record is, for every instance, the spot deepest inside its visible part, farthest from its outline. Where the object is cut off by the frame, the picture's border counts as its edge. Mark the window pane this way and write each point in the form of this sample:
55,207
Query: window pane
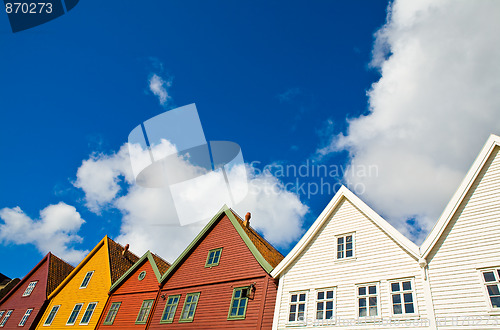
329,314
373,301
291,318
294,298
321,295
489,276
340,240
373,311
409,308
348,253
302,307
407,285
395,286
340,255
329,305
372,289
320,306
408,297
362,311
348,239
495,302
302,297
319,315
362,291
329,294
362,302
397,309
348,246
396,299
493,290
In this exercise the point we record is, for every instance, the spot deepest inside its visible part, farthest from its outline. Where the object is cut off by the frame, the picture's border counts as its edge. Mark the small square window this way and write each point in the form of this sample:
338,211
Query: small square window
170,308
345,246
213,257
113,310
29,288
86,280
239,302
189,308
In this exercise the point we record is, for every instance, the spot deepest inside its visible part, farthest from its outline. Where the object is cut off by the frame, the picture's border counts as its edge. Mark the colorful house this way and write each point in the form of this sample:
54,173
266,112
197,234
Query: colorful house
462,252
23,306
6,284
221,280
132,296
351,269
80,299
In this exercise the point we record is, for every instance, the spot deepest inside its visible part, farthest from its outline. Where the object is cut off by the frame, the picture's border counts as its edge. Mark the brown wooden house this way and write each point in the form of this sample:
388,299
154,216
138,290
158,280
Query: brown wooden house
221,280
23,306
132,296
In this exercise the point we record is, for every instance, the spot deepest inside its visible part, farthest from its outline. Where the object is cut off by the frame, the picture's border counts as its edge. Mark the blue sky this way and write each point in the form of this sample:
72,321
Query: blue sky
278,78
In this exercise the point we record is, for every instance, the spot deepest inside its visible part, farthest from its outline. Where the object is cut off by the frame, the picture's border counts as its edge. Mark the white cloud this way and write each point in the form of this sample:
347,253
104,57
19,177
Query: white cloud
434,106
159,87
149,215
54,231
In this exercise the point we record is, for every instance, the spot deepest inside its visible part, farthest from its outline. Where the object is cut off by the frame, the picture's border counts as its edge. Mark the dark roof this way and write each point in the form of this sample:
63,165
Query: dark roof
272,256
7,287
4,279
162,264
118,263
58,270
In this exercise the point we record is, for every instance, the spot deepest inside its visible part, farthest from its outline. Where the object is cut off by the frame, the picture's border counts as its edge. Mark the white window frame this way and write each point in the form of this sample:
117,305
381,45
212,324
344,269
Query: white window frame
297,303
401,292
83,281
25,317
30,288
495,271
1,314
6,318
45,324
91,314
77,314
367,296
316,301
353,234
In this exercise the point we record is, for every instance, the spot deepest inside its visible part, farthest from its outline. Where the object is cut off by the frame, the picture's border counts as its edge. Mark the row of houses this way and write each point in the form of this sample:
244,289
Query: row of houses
350,270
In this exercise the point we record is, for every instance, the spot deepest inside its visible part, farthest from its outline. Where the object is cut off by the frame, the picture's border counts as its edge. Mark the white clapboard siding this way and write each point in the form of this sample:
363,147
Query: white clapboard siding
471,241
378,259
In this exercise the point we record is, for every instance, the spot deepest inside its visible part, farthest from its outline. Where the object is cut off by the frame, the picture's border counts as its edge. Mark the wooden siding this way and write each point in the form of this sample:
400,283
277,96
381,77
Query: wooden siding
470,242
20,304
378,259
71,294
131,293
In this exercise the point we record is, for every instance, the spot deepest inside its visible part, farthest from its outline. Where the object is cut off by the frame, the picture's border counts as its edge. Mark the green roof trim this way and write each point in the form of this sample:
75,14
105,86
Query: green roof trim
227,211
148,255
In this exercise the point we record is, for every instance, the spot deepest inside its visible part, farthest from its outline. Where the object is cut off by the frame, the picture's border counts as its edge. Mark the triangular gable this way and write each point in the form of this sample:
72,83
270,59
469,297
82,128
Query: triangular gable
342,193
155,264
58,270
22,282
119,263
258,253
458,197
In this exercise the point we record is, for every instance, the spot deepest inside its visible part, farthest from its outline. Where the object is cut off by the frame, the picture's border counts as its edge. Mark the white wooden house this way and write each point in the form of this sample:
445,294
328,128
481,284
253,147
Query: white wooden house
351,270
462,251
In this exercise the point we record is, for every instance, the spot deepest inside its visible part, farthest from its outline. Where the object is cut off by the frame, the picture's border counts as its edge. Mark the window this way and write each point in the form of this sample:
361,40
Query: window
74,314
189,307
142,275
492,282
213,257
297,307
25,317
5,318
51,316
113,310
367,300
325,304
144,311
402,297
239,301
30,288
88,313
86,280
345,246
1,314
170,308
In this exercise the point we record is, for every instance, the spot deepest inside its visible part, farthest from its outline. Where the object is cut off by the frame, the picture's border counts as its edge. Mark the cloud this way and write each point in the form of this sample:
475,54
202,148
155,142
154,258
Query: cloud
430,112
55,230
150,216
159,86
289,94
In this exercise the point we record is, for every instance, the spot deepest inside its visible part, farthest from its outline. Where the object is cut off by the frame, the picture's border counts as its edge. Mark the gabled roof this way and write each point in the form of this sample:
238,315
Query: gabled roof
159,265
118,264
457,199
265,254
57,271
344,193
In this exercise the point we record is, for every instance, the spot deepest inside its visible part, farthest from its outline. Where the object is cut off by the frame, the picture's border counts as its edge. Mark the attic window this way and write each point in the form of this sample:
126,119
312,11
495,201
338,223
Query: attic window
345,246
213,257
30,288
142,275
86,280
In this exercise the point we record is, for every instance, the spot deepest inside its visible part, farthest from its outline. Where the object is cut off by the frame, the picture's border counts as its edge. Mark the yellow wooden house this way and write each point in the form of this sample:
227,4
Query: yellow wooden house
80,299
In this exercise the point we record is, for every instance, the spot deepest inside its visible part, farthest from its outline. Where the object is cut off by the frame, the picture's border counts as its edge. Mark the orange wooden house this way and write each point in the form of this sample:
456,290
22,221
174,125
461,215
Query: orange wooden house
132,296
221,280
23,305
80,299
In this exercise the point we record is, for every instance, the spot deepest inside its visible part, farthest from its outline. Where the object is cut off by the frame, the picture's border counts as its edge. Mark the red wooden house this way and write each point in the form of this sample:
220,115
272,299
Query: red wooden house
132,296
221,280
23,306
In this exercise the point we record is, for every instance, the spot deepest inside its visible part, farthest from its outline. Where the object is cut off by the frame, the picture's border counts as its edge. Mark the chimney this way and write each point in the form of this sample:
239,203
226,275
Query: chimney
246,223
125,249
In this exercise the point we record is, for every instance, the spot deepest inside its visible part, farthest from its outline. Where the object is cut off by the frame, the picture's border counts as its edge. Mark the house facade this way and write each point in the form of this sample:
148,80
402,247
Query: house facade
80,299
132,296
462,252
351,269
23,305
221,280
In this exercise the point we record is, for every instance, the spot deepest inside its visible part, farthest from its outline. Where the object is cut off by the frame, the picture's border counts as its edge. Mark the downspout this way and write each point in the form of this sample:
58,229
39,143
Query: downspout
153,309
427,293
